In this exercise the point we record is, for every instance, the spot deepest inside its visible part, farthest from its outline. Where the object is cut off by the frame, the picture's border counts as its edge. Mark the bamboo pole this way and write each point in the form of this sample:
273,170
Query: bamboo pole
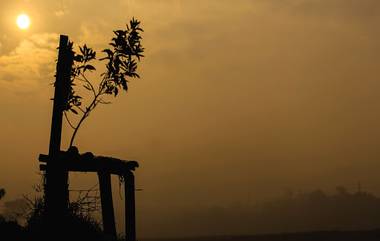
130,215
108,215
56,176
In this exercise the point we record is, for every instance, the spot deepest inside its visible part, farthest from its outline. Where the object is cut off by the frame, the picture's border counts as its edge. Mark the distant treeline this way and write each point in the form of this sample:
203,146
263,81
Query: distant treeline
302,212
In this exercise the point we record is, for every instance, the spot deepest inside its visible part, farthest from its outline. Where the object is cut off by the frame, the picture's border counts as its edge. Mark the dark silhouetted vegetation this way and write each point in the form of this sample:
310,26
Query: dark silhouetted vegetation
121,65
75,226
294,217
2,193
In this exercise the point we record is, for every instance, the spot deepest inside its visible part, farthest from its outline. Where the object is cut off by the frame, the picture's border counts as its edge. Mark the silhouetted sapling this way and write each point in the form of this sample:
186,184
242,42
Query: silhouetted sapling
121,65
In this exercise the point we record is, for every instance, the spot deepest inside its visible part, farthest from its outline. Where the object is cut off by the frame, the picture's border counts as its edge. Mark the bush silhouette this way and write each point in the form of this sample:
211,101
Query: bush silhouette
2,193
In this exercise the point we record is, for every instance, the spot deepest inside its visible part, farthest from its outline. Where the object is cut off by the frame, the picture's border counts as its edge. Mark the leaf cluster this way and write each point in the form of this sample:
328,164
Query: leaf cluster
121,59
81,64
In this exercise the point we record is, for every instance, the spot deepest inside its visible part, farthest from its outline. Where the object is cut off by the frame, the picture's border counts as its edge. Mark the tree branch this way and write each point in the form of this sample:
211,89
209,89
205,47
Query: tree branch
68,120
84,116
89,83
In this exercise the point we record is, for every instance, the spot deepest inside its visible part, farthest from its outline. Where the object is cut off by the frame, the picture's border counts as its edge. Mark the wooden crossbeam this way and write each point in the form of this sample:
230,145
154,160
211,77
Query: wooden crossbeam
90,163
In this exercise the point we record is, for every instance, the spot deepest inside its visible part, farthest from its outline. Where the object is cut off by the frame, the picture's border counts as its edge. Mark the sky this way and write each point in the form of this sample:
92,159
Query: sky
238,101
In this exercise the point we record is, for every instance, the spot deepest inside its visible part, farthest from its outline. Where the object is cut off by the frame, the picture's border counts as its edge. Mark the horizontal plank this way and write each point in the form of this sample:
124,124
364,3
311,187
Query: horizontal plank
90,163
71,167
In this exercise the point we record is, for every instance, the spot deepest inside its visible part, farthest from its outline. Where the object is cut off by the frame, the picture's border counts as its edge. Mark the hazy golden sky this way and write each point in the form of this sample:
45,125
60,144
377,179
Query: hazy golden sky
238,100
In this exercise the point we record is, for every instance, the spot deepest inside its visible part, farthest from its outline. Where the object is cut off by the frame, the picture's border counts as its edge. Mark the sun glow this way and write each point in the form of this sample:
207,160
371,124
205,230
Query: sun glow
23,21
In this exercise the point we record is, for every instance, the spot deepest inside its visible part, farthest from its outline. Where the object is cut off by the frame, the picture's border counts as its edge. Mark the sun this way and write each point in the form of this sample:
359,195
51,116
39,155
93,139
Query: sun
23,21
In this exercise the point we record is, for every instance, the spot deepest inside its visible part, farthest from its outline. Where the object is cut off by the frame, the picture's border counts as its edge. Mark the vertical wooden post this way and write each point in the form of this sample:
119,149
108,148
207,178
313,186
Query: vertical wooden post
108,215
130,215
56,189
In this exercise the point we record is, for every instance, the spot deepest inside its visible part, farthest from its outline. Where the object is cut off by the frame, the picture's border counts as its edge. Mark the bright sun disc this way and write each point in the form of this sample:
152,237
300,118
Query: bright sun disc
23,21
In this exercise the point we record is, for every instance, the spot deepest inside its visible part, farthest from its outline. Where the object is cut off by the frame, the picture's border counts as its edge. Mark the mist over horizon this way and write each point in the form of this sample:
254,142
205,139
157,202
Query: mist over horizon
238,101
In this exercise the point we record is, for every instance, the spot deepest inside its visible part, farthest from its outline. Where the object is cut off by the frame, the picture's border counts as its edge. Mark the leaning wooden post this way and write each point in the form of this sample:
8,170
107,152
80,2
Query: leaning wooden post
56,189
108,215
130,215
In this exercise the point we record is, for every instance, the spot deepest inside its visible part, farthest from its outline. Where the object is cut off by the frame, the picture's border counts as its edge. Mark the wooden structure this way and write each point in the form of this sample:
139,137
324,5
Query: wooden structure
57,164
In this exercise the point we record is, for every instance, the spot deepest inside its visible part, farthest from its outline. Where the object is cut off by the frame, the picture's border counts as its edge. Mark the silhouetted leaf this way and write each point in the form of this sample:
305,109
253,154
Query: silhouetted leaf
78,58
87,87
89,67
74,111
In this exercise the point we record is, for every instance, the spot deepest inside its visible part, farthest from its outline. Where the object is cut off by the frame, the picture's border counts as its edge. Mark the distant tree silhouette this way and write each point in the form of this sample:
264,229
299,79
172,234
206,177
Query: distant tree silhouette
2,193
301,212
121,65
